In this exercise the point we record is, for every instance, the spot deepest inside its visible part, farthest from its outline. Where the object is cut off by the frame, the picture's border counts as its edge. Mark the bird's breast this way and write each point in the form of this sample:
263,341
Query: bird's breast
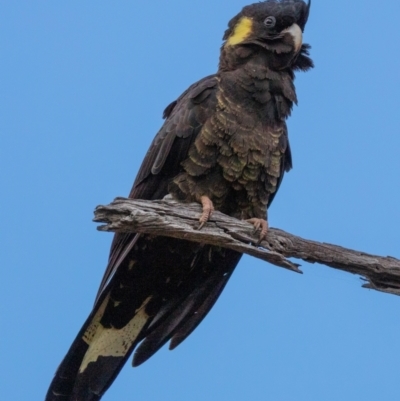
236,158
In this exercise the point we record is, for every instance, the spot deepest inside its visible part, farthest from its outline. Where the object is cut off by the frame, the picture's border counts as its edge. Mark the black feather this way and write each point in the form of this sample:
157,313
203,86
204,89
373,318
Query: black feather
224,138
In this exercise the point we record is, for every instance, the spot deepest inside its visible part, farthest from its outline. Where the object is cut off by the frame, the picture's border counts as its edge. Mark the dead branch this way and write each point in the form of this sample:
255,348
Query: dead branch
173,219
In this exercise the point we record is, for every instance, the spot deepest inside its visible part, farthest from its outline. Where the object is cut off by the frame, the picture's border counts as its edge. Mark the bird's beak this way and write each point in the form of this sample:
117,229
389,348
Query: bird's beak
297,35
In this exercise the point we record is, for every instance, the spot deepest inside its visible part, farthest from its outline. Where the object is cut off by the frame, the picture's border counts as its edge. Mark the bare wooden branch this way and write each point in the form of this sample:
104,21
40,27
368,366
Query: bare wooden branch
173,219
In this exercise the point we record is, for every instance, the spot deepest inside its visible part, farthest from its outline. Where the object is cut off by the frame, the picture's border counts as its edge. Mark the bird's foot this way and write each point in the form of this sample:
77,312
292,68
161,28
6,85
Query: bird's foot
208,208
259,224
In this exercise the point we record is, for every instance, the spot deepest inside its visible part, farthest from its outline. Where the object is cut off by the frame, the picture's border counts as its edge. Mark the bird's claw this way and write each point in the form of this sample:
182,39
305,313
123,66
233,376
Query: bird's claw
259,224
208,208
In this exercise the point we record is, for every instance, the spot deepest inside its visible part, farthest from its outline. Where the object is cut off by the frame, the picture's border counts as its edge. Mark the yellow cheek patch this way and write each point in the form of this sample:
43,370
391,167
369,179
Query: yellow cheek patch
241,31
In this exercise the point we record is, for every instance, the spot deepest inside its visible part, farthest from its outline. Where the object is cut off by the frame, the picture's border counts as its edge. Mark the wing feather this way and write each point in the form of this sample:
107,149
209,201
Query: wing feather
163,159
185,316
88,370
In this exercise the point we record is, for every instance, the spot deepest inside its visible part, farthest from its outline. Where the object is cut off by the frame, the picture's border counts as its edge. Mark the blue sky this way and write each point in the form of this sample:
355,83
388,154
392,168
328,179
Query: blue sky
83,86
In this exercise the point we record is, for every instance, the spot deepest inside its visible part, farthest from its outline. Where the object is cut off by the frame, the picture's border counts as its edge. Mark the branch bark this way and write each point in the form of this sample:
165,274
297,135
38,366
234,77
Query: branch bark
173,219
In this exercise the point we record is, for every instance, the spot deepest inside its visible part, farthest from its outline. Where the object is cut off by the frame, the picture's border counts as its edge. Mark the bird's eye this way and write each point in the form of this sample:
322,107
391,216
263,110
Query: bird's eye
270,22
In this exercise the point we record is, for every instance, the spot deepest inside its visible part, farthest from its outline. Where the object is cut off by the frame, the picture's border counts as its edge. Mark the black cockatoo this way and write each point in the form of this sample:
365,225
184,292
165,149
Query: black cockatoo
224,144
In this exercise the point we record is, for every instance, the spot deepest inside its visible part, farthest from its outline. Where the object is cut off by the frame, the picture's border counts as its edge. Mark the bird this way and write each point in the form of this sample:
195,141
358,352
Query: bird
224,144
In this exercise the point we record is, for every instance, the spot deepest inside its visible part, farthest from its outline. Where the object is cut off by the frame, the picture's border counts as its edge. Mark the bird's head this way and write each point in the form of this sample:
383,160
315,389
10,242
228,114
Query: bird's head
276,26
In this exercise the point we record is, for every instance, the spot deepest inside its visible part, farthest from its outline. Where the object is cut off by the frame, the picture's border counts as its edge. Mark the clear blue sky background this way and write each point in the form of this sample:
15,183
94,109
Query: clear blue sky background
82,89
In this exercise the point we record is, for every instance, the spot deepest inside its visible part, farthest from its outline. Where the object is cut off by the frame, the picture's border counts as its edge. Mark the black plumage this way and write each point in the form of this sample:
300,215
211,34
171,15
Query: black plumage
224,144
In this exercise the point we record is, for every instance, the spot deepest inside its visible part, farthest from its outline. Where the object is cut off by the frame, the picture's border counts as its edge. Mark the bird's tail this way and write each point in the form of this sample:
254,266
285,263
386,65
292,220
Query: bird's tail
160,292
96,356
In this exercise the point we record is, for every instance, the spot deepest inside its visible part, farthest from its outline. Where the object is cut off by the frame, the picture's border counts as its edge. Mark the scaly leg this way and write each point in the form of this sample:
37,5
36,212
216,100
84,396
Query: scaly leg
208,208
